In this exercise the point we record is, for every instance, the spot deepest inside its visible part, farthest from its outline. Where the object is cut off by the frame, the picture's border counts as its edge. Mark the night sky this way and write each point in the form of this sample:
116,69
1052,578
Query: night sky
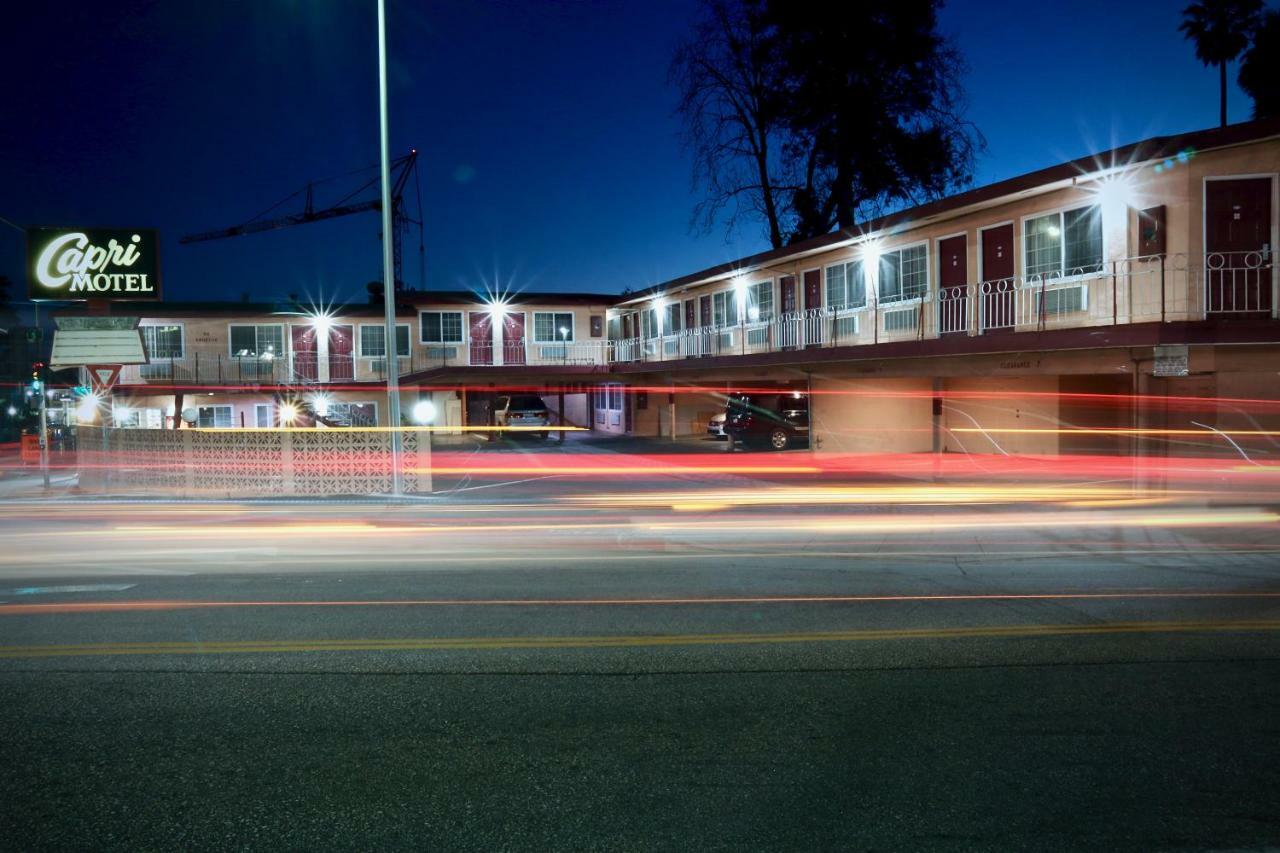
550,157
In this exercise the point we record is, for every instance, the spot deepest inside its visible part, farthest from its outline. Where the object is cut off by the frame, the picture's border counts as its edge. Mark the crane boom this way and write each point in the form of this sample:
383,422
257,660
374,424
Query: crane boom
401,169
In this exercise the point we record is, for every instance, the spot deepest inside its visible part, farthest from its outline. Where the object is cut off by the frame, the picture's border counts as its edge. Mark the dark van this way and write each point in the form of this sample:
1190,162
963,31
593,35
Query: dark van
772,420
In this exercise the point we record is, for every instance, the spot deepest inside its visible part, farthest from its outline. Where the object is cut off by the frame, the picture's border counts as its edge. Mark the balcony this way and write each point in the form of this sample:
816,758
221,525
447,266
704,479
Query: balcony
1173,288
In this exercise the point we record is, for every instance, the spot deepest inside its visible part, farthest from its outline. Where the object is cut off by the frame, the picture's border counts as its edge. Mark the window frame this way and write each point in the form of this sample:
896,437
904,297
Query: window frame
928,277
350,403
750,291
555,329
285,339
1050,279
408,340
727,296
462,328
231,415
182,338
848,264
673,309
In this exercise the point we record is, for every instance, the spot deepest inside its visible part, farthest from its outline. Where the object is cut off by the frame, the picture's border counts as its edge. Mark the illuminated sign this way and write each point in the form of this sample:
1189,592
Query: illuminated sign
93,263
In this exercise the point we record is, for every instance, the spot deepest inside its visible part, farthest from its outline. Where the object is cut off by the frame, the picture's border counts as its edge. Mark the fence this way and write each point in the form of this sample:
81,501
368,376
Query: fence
1132,290
256,463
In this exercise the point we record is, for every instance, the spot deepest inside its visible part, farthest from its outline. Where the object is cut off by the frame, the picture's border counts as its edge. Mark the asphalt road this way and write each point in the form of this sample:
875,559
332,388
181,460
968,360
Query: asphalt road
713,666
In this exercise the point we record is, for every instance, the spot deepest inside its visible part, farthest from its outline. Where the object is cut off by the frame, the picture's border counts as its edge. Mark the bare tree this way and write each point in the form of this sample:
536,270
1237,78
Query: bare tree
727,74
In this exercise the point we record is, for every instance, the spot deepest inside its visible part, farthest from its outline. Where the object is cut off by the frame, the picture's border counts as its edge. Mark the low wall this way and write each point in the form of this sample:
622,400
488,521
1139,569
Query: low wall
249,463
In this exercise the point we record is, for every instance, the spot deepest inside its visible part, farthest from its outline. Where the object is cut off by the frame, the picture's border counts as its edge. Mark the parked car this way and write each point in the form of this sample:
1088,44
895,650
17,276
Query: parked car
777,420
522,410
715,427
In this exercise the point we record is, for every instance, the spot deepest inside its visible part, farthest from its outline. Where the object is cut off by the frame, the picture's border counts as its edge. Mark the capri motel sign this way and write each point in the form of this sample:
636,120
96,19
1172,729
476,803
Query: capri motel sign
119,264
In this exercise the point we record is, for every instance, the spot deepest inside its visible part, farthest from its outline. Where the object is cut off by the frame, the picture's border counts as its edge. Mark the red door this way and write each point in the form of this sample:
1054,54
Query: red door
953,285
789,331
704,308
787,285
481,337
690,314
812,302
341,347
1237,234
998,293
513,339
303,341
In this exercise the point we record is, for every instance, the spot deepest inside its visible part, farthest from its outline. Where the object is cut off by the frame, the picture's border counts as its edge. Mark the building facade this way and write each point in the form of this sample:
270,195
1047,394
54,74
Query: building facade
992,321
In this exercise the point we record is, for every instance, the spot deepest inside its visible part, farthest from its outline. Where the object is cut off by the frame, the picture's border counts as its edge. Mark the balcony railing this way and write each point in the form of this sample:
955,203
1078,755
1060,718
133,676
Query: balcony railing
1133,290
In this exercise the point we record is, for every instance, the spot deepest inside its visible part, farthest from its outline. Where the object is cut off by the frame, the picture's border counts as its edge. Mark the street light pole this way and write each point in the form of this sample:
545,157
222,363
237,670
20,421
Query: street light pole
391,354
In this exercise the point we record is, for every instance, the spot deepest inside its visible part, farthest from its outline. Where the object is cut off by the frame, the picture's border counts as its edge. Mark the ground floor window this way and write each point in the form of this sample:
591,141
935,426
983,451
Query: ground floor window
354,414
214,417
264,415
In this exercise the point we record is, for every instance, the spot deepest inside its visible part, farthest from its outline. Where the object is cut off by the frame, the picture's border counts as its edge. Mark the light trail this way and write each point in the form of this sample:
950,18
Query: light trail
653,641
162,605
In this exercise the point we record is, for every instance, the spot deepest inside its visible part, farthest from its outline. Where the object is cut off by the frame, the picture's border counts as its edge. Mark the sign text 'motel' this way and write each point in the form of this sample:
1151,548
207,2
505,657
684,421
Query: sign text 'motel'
93,263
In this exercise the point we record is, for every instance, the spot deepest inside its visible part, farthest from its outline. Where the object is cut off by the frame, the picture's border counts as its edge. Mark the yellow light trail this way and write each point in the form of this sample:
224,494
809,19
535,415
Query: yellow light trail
644,641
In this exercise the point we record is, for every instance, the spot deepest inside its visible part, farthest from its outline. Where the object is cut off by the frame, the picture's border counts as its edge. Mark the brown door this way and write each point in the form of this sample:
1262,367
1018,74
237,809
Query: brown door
812,302
513,339
690,314
704,308
953,285
305,365
997,285
341,347
787,284
1238,250
481,337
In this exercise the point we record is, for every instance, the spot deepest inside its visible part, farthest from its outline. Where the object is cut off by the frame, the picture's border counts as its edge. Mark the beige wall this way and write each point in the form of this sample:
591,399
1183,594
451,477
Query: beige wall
1006,421
872,415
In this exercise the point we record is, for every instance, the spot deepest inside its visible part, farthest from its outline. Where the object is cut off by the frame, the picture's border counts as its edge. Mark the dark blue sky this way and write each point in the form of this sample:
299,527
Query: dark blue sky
550,157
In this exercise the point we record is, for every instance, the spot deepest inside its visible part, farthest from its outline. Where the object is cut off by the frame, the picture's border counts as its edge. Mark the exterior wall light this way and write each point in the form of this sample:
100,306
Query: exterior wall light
288,413
424,412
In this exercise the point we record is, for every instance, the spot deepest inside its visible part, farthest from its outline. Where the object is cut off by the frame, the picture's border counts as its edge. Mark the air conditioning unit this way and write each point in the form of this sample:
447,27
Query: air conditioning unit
901,321
442,352
1063,300
379,365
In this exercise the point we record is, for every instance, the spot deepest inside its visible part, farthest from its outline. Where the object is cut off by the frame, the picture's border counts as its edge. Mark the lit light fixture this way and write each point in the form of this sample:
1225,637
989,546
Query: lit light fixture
321,323
1115,192
320,404
871,253
1053,231
288,413
424,411
564,332
753,313
13,410
87,410
497,307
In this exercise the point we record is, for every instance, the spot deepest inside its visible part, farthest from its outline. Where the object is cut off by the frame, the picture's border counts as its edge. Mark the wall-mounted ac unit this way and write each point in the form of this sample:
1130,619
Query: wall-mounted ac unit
901,321
1063,300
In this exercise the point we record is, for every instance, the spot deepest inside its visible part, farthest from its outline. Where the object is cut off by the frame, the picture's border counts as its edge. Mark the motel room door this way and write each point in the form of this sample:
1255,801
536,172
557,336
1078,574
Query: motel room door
481,337
341,353
812,302
304,353
1239,262
998,287
789,331
953,285
513,338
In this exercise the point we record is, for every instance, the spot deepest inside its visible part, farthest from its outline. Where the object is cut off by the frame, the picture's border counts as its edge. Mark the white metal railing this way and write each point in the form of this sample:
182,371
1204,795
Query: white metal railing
1162,288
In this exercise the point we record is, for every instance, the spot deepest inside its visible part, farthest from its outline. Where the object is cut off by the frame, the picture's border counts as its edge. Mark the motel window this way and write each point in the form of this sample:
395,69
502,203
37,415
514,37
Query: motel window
547,326
264,415
846,285
760,302
649,323
162,341
615,397
440,327
257,341
353,414
614,328
724,308
904,274
1065,243
213,417
373,340
671,318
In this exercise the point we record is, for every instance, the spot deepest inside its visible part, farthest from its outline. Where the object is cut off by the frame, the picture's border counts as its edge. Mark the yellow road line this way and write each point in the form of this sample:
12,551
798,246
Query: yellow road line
642,641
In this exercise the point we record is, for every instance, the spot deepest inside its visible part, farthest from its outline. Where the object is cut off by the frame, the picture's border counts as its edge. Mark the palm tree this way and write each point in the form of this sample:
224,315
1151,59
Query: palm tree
1220,30
1260,67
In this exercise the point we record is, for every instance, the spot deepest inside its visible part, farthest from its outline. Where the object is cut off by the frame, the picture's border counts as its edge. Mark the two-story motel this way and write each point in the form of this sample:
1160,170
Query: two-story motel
983,322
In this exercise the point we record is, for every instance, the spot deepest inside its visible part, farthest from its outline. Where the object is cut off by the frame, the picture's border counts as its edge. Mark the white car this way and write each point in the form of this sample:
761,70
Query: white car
524,411
715,427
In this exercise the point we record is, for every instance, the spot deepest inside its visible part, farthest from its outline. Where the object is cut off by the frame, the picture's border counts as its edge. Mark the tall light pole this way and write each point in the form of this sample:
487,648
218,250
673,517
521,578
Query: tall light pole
390,350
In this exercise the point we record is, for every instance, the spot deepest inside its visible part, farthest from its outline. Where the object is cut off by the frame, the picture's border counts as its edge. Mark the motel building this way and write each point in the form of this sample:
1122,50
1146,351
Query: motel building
985,322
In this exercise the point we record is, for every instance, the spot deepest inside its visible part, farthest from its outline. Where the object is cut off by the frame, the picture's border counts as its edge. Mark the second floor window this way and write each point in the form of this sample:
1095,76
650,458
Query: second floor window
1065,243
552,328
671,318
904,274
373,340
846,285
257,341
649,323
441,327
724,308
162,341
760,302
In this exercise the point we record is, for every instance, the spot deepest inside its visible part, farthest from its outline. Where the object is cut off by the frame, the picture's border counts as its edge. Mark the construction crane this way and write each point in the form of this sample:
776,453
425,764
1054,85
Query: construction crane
401,170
